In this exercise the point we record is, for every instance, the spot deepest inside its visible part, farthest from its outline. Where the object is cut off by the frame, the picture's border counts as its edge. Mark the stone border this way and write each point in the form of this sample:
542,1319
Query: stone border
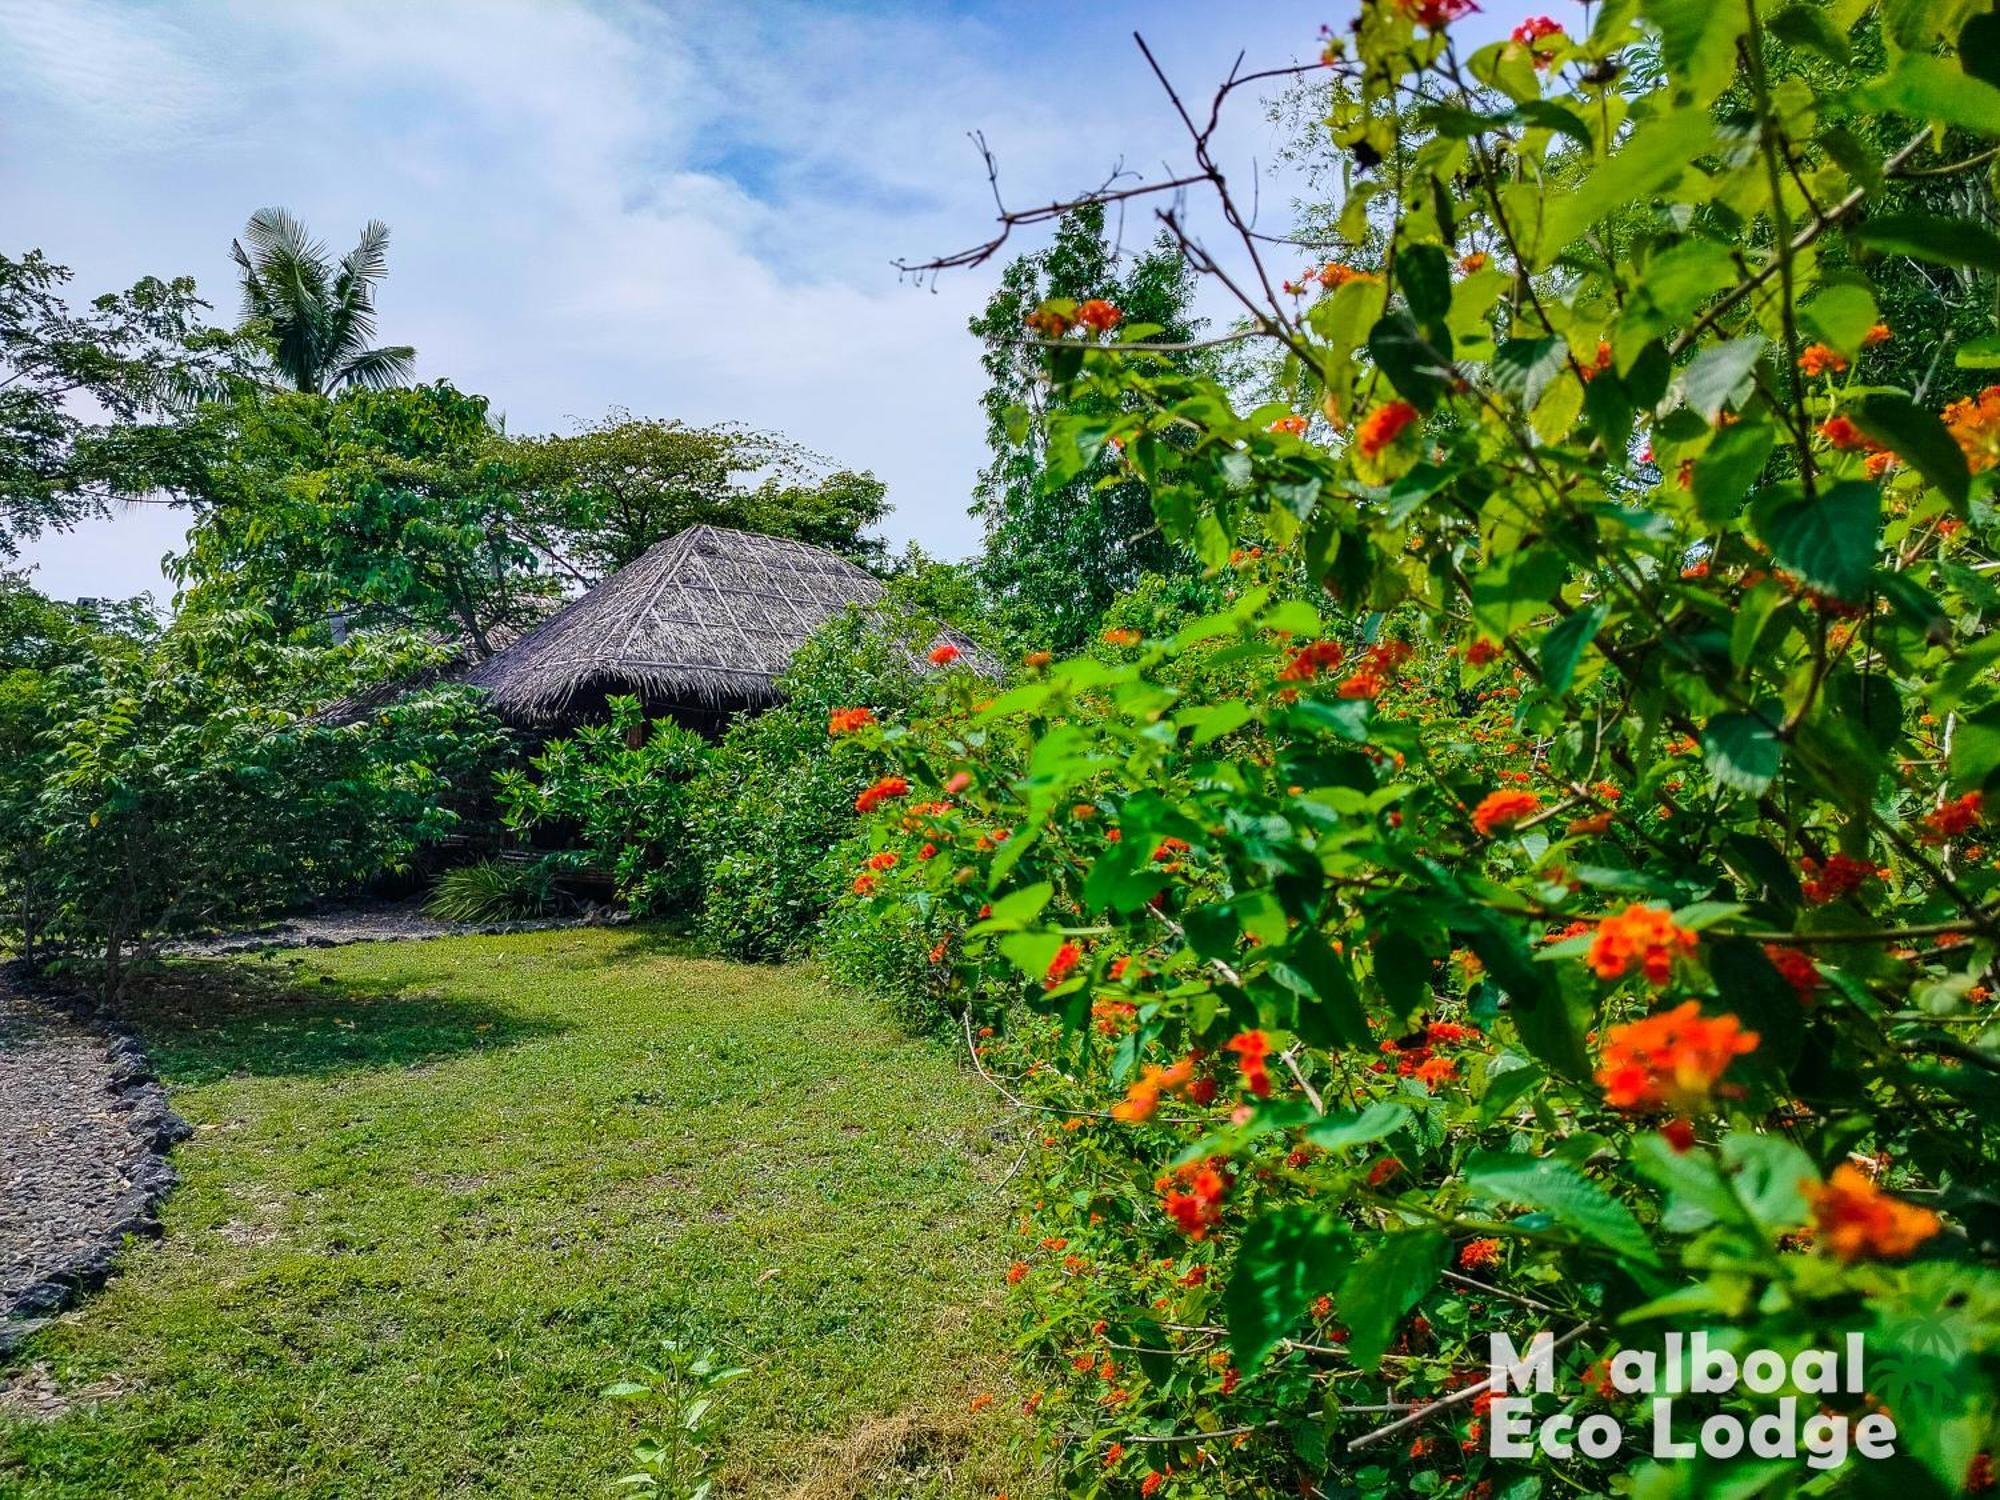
136,1093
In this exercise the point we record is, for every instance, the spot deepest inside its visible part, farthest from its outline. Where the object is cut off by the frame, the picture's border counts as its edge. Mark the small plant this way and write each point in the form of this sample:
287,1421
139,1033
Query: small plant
674,1454
494,891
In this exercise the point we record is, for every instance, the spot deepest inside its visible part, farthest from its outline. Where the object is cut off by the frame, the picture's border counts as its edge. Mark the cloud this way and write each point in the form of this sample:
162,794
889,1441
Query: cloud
689,210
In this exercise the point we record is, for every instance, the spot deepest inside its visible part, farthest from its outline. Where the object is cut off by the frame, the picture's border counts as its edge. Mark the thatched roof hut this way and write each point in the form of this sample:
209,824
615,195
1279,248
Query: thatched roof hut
698,628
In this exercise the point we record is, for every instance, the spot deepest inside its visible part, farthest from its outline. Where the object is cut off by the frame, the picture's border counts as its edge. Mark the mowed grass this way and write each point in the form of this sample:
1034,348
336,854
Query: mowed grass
441,1193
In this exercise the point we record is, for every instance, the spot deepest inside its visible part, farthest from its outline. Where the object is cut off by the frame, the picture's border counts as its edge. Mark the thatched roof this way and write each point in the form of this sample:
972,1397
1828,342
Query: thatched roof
703,621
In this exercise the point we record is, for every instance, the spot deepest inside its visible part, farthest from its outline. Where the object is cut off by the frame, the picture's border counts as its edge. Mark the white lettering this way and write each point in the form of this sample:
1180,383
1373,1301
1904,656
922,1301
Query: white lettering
1875,1435
1511,1371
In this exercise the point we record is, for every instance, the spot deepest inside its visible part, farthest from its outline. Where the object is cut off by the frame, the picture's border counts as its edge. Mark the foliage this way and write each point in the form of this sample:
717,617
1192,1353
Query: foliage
675,1457
187,784
317,313
624,790
494,890
599,497
1534,924
1064,539
387,509
439,1190
136,354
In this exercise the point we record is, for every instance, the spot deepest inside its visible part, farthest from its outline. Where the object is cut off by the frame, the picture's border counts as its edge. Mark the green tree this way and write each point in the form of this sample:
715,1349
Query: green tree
134,355
599,497
393,508
319,313
1057,554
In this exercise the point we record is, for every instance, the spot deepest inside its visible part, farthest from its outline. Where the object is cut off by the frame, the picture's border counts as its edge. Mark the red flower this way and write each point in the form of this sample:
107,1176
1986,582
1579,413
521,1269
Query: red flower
847,720
1309,661
1382,426
1169,848
1800,972
1099,314
1854,1218
1480,652
1503,810
1535,28
885,860
1017,1273
944,655
1960,815
1645,935
1672,1060
1251,1049
1068,956
1436,14
1818,359
1294,424
1192,1196
1836,878
960,780
1479,1254
884,789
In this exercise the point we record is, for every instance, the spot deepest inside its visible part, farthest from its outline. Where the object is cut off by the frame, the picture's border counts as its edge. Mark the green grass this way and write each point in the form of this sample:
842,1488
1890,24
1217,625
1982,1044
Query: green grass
441,1193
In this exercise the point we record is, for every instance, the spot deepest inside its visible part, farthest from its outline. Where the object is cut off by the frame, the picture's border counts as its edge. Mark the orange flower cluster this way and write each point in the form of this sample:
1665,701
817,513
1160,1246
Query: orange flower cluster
1068,956
1121,637
1481,651
1479,1254
882,860
1855,1219
1169,849
1642,935
1294,424
1047,322
1535,28
1309,661
1798,969
1836,878
944,655
1378,665
1974,421
1142,1099
1383,426
848,720
1192,1196
1436,14
1672,1060
884,789
1252,1048
1099,314
1959,815
1841,434
1503,809
1818,359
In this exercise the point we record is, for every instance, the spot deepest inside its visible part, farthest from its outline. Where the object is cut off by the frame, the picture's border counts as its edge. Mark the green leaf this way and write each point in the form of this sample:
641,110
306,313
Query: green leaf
1402,973
1930,89
1918,438
1728,466
1424,272
1975,748
1031,952
1657,152
1721,375
1017,908
1830,542
1523,368
1697,42
1376,1293
1979,354
1287,1259
1768,1173
1563,646
1329,1011
1512,589
1742,750
1934,238
1377,1122
1841,315
1561,1191
1406,356
1809,26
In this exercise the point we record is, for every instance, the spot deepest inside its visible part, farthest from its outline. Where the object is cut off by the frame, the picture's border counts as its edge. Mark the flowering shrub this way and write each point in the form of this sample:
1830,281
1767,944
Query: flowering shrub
1553,891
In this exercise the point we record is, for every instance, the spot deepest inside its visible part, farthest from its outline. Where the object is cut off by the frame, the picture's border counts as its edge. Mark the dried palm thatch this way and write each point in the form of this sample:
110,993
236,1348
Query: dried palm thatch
700,626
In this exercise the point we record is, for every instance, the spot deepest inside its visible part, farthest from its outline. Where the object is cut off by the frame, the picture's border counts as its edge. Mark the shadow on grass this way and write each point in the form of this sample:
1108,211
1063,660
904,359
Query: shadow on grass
661,937
207,1020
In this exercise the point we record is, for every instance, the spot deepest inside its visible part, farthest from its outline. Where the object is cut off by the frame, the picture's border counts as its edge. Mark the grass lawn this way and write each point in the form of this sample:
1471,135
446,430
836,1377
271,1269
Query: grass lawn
441,1193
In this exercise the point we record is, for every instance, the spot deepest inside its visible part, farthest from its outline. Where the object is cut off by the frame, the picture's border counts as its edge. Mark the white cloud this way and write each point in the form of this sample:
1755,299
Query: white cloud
686,209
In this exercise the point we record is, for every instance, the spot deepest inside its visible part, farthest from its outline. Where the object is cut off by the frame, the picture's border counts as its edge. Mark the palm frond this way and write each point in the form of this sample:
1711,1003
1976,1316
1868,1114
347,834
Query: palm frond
377,369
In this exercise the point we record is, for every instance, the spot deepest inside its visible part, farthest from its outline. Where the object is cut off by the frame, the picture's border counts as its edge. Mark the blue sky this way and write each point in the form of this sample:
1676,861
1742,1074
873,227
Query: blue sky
686,209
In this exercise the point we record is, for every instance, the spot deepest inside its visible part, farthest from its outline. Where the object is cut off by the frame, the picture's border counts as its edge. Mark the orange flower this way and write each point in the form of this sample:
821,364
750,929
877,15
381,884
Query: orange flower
959,781
847,720
1047,322
1142,1098
1099,314
1476,261
1192,1196
1367,683
1672,1060
1645,935
1310,660
1960,815
1481,651
1251,1049
1382,426
884,789
1434,1072
1595,823
1879,334
1836,878
1855,1219
1168,849
1478,1254
1017,1273
884,860
1121,637
1038,658
1974,421
1294,424
944,655
1818,359
1841,434
1503,809
864,885
1068,956
1800,972
1598,364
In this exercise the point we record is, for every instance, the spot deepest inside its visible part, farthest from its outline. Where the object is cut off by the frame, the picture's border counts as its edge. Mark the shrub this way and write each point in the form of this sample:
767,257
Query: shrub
494,890
1578,914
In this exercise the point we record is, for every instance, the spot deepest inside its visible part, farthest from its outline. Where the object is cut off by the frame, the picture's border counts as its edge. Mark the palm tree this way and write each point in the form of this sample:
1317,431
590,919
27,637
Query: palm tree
320,314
